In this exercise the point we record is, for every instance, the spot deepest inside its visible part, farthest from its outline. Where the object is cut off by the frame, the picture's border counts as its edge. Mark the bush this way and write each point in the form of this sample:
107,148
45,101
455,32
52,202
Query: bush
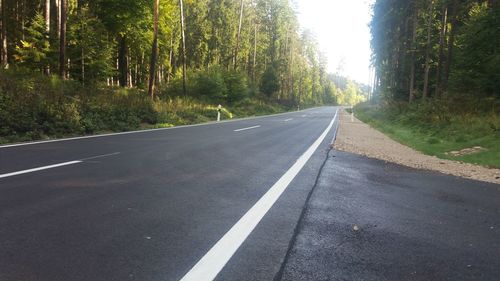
35,106
215,84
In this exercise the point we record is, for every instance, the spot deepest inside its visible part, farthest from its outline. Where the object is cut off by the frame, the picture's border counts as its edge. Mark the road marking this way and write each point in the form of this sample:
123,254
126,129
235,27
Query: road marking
150,130
39,169
56,165
289,119
304,115
216,258
100,156
249,128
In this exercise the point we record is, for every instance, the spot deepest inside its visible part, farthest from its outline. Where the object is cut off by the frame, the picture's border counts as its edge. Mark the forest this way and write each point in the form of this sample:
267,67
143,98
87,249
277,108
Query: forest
84,66
437,76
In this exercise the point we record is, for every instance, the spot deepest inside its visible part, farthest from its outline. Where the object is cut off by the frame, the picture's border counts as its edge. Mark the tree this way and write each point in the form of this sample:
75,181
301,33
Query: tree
428,51
4,58
442,42
413,50
238,36
154,51
183,35
62,39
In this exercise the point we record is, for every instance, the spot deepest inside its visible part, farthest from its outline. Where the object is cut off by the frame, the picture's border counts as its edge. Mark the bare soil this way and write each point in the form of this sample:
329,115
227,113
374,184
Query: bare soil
357,137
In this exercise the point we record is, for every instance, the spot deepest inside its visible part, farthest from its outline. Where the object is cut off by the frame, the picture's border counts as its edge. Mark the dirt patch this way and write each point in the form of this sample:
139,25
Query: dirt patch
357,137
466,151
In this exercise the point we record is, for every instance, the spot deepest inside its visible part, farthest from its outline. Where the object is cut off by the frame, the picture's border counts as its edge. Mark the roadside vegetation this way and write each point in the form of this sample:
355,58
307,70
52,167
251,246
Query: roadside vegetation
440,130
82,67
38,107
436,77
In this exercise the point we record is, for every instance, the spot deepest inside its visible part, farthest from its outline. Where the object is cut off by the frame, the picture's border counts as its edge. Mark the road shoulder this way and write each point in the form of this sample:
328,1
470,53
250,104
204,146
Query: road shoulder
357,137
372,220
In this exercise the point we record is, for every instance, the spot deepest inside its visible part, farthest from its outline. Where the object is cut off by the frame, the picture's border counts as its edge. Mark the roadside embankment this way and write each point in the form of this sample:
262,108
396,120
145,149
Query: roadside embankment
357,137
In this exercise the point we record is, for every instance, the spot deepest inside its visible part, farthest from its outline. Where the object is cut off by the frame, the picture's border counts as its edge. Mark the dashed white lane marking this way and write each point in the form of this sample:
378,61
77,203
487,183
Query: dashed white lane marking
55,165
39,169
147,131
101,156
304,115
289,119
249,128
216,258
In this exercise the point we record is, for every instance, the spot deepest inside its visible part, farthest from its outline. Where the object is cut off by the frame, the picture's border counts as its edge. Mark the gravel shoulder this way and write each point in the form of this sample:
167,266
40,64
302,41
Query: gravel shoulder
357,137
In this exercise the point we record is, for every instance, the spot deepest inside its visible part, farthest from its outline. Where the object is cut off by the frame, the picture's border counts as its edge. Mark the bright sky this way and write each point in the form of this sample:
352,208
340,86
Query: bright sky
341,28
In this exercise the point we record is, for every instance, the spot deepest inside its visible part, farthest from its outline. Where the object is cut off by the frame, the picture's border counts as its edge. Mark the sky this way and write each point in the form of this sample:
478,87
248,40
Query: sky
341,28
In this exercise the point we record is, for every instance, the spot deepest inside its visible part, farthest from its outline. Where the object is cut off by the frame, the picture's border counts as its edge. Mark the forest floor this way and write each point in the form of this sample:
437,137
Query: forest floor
357,137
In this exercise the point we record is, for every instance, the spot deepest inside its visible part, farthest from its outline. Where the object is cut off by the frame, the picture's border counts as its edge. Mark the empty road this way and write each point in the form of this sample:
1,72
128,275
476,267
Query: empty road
254,199
150,205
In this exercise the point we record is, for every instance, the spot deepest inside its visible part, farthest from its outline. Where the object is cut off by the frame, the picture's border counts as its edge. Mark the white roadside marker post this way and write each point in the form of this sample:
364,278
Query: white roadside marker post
219,108
352,114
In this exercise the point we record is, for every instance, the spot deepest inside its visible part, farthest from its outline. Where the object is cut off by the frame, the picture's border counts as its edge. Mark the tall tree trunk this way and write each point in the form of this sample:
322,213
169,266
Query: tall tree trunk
4,58
47,30
238,36
451,43
254,54
83,65
441,58
47,16
170,59
154,51
122,61
183,35
425,92
62,40
58,17
413,50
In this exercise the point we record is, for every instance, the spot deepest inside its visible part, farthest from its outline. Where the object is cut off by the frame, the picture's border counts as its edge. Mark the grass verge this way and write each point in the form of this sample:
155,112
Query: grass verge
440,127
37,107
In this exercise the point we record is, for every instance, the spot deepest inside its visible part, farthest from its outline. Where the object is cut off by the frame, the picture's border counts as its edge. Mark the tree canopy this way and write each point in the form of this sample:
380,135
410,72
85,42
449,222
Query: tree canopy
255,44
436,48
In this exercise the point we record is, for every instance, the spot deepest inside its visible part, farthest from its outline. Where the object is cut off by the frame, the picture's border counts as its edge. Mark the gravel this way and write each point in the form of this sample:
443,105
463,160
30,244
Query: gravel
357,137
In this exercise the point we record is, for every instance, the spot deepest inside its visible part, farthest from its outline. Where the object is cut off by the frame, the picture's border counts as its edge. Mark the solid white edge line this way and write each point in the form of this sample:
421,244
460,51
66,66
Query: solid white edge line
216,258
248,128
39,169
150,130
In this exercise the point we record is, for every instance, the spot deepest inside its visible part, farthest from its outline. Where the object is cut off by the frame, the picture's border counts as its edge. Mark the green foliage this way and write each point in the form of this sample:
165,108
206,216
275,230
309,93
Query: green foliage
478,60
37,106
89,46
269,83
457,40
214,84
439,127
35,50
276,65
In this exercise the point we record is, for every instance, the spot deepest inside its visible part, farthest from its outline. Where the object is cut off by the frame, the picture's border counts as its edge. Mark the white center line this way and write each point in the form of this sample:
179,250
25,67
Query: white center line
216,258
39,169
249,128
289,119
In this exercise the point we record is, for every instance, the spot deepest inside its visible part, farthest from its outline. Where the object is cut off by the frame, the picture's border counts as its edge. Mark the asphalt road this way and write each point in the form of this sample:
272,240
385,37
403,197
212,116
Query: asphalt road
150,205
372,220
254,199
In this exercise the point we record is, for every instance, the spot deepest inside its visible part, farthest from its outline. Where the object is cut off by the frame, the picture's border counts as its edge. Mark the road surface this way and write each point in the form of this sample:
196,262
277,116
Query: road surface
372,220
254,199
150,205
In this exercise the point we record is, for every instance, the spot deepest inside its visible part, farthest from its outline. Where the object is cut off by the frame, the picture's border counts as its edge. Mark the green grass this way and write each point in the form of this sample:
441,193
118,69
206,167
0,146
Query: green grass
435,133
34,107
